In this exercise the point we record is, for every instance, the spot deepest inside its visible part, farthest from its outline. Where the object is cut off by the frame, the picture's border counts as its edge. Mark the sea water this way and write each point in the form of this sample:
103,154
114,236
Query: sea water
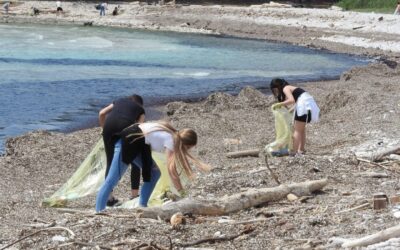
57,77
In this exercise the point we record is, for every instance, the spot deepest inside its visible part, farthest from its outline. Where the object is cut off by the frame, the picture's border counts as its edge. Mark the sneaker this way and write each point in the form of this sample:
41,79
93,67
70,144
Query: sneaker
281,152
112,202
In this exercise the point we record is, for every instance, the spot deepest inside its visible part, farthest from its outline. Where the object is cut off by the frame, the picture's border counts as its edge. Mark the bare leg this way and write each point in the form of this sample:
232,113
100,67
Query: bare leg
134,193
303,141
299,136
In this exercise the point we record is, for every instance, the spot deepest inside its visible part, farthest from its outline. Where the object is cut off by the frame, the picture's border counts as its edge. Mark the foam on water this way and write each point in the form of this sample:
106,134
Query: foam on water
55,77
194,74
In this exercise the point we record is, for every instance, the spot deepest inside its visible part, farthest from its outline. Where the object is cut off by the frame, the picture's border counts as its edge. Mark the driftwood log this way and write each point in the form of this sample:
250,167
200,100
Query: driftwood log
379,155
374,174
392,232
233,203
244,153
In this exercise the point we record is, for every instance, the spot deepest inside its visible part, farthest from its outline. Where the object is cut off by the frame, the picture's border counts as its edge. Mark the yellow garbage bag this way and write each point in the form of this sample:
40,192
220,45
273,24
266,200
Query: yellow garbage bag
90,176
86,180
283,129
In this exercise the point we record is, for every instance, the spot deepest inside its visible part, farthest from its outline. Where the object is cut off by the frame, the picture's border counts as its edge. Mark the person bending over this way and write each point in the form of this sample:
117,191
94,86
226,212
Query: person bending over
135,146
117,116
306,109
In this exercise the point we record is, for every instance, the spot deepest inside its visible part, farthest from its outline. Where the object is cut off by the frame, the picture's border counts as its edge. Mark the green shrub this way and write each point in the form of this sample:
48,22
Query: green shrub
367,4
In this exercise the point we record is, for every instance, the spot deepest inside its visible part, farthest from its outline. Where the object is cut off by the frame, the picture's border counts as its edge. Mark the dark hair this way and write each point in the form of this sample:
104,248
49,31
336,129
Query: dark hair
137,98
279,83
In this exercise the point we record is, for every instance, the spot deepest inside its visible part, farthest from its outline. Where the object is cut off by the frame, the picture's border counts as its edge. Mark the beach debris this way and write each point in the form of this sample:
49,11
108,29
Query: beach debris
175,107
394,157
72,235
274,176
395,199
346,76
387,151
218,236
177,219
380,201
35,11
364,205
392,232
232,142
358,27
390,63
58,238
292,197
315,169
244,153
396,211
374,174
88,23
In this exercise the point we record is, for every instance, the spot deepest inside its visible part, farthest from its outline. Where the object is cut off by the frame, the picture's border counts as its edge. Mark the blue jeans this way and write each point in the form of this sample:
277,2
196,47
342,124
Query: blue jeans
117,170
102,11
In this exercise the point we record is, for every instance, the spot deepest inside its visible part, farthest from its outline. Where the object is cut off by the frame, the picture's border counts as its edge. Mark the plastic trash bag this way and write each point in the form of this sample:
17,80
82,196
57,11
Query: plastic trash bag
283,129
86,180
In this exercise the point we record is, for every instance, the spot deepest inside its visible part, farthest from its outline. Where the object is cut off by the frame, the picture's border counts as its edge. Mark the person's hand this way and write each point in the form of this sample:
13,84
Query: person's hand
171,196
277,106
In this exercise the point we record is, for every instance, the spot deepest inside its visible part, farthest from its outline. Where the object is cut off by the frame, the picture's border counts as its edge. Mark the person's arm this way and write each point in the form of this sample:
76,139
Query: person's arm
141,119
289,97
172,171
103,113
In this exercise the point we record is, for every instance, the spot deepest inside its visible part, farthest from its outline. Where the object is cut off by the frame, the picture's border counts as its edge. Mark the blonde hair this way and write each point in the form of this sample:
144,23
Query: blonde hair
183,139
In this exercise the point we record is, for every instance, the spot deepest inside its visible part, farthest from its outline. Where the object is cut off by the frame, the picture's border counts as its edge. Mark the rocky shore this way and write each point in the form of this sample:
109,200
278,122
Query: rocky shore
360,115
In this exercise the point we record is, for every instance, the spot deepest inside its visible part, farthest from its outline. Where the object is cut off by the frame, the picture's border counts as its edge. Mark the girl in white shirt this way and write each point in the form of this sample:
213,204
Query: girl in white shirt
136,145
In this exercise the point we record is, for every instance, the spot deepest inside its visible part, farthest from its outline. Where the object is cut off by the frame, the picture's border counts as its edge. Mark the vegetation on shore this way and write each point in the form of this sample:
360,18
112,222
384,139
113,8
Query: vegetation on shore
383,6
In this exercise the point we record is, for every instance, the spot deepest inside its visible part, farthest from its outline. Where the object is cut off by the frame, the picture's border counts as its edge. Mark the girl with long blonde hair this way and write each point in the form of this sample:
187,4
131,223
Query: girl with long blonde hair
135,146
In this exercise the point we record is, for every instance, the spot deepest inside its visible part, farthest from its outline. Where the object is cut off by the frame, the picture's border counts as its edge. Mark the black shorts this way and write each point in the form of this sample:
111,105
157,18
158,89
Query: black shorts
304,118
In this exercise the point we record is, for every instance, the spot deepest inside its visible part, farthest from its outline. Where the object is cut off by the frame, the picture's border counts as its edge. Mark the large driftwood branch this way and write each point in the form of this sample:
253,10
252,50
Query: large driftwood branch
379,155
233,203
392,232
244,153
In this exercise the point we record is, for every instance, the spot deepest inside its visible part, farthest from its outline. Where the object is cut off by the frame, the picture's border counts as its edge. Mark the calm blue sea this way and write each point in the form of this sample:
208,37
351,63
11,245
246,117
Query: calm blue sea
58,77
